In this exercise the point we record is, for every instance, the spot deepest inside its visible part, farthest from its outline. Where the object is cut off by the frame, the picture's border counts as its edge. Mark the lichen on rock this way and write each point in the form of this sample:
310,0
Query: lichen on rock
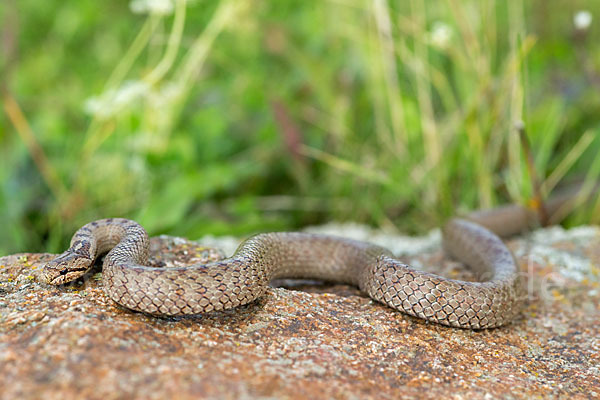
316,341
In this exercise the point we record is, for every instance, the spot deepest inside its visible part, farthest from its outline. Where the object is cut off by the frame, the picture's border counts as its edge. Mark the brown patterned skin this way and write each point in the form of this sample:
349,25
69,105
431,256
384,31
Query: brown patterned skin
244,277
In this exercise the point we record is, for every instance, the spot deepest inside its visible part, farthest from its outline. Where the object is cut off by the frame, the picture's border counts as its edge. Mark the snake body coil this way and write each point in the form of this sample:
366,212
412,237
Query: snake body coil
244,276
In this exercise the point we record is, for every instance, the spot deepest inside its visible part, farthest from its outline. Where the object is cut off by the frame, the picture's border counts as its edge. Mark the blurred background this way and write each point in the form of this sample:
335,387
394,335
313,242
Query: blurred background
233,116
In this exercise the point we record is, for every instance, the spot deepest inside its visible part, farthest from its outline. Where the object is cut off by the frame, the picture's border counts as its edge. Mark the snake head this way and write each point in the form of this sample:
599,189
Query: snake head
66,268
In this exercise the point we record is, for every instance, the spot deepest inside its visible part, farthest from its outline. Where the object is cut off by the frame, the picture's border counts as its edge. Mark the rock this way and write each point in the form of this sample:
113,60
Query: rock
323,341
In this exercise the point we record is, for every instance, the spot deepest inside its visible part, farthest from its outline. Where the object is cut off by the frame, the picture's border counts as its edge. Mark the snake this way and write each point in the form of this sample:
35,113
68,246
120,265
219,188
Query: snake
491,301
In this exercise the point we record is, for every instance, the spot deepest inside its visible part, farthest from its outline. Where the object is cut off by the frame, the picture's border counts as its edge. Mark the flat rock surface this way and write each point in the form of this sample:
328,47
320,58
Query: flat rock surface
308,340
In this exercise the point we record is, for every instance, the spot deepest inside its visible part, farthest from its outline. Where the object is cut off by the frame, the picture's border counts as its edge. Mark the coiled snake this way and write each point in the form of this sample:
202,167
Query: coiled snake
244,277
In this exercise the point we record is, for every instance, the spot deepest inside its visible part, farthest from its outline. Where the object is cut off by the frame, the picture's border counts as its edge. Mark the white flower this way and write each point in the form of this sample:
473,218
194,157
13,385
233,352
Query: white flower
582,19
440,35
159,7
113,101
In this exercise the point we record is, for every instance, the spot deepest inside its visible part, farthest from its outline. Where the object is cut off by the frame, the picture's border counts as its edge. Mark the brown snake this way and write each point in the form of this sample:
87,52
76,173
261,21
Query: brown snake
245,276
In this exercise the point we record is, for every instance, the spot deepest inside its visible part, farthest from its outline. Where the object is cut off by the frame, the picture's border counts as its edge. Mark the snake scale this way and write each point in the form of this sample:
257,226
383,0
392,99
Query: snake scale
242,278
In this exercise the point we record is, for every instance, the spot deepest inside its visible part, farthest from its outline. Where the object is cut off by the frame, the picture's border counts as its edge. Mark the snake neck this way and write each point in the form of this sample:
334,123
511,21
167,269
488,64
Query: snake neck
114,235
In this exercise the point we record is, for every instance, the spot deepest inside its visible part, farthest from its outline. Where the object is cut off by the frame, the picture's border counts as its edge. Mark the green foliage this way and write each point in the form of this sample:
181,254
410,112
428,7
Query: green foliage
232,117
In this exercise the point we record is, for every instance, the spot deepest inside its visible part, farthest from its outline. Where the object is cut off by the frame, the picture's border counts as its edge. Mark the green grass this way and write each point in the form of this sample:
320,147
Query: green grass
233,117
